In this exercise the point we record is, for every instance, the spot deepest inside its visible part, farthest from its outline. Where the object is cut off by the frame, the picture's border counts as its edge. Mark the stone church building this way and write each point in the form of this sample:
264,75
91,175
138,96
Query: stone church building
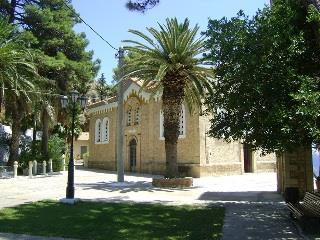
144,152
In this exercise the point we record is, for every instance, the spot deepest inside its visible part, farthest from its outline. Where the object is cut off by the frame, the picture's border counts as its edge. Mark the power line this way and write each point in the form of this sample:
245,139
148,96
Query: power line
78,15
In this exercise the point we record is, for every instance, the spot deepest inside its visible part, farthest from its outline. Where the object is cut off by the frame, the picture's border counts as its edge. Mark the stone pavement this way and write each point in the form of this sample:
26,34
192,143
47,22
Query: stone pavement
253,209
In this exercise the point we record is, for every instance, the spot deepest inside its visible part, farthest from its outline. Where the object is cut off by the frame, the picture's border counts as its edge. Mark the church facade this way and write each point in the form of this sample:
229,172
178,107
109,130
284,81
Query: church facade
144,151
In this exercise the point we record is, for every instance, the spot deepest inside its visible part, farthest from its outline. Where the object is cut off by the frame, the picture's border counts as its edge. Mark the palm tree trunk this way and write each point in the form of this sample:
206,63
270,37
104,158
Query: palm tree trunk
171,103
45,133
171,159
17,116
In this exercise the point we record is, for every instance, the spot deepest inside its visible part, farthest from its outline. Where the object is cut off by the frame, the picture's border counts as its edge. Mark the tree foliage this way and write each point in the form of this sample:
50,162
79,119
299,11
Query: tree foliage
60,53
103,89
19,78
141,5
267,77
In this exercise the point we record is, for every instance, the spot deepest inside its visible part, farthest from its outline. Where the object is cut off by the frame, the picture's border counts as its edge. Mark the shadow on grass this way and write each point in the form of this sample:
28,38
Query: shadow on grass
113,221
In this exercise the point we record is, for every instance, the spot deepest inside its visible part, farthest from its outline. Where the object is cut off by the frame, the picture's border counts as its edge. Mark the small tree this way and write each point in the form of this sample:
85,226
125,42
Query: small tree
102,88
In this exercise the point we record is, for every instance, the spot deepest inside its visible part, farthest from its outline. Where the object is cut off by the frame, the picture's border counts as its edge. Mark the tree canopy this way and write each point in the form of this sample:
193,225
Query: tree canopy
59,52
267,82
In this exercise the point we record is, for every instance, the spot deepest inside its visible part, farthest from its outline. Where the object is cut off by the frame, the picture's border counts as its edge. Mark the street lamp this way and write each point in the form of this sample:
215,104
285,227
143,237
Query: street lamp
83,100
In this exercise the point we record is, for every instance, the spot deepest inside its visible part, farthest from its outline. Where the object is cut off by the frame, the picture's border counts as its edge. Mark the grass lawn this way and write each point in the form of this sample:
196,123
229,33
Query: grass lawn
113,221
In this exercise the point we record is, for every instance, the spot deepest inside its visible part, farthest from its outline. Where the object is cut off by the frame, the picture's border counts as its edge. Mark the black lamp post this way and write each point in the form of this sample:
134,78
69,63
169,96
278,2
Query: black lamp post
74,96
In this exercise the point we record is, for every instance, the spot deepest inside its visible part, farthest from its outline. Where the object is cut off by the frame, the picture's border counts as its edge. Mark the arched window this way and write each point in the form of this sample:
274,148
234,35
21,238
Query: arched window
105,130
129,117
182,125
137,116
98,131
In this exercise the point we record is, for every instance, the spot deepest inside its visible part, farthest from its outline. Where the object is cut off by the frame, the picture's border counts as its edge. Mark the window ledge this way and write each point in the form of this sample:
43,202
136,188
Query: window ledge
180,137
105,142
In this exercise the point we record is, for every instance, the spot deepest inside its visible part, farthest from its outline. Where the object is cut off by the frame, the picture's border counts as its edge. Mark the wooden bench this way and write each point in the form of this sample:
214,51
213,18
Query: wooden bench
307,212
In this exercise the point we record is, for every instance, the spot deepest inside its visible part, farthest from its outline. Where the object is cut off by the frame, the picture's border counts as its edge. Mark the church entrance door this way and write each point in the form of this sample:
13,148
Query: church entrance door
133,155
247,158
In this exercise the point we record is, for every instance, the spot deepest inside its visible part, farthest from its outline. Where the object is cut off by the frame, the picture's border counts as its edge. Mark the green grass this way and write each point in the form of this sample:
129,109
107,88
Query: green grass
113,221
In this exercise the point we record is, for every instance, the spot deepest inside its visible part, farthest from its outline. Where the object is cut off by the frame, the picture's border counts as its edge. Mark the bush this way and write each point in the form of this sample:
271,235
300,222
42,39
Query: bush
56,149
85,159
30,151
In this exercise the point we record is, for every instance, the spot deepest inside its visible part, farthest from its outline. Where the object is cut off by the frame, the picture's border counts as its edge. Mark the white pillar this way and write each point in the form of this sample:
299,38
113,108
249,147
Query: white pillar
35,167
50,166
44,166
30,169
15,169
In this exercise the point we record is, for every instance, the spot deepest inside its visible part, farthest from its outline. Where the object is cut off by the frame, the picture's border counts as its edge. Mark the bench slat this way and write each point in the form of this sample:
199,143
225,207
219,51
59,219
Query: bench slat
309,207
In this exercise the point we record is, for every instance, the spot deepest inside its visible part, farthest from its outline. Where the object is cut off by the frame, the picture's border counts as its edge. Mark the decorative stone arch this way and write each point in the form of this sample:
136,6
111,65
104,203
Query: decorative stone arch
133,110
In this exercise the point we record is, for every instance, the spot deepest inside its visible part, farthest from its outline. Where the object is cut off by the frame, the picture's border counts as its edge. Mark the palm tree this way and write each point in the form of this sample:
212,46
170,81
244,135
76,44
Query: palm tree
17,77
168,62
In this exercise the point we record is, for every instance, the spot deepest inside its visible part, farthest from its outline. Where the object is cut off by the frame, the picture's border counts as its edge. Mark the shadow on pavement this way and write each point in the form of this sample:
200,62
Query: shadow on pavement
124,199
253,196
264,220
128,186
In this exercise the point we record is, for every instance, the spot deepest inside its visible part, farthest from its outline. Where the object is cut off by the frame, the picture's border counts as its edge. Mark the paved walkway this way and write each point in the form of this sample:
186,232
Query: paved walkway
253,209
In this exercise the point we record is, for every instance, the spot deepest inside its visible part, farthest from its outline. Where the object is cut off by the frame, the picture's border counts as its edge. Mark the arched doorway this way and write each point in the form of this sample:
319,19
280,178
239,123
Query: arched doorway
132,155
247,157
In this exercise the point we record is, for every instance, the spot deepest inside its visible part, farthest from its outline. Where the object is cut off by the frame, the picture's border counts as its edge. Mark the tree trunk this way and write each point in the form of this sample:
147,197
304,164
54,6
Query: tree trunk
34,132
172,97
17,116
12,10
171,159
45,133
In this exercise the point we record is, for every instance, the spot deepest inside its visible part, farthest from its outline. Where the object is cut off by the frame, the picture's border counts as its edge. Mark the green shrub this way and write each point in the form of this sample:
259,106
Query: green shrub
57,147
30,151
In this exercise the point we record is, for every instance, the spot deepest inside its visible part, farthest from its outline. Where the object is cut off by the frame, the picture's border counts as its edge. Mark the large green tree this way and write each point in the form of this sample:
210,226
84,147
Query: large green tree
60,52
18,76
168,63
267,77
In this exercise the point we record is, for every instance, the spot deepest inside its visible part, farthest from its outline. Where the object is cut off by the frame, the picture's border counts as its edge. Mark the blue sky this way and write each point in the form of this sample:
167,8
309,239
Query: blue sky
112,20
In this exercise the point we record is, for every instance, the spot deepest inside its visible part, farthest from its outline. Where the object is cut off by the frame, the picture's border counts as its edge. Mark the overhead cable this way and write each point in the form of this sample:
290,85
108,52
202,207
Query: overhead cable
78,15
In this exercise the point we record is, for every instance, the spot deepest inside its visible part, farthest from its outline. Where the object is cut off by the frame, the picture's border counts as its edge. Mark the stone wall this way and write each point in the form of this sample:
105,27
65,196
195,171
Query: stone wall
77,147
218,157
102,155
295,170
198,154
150,146
264,162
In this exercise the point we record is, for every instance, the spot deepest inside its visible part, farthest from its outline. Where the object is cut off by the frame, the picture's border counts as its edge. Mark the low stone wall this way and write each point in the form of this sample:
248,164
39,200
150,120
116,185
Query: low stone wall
266,166
172,182
102,165
221,169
